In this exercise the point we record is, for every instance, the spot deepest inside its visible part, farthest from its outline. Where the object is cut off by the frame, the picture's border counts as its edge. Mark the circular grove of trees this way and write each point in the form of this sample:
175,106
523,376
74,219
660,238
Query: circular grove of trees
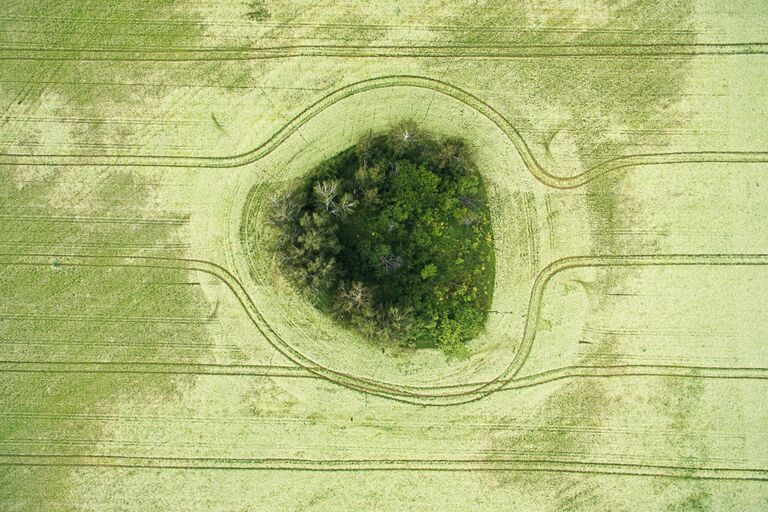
393,238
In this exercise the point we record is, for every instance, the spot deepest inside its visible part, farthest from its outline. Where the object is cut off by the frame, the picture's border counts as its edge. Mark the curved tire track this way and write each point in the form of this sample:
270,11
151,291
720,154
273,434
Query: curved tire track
439,86
446,394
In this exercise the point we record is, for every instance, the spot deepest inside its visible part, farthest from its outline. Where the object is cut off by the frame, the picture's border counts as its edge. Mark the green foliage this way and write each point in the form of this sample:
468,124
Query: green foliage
428,271
393,238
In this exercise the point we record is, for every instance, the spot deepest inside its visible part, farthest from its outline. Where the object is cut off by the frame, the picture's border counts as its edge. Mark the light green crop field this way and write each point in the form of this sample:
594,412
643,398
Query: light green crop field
152,357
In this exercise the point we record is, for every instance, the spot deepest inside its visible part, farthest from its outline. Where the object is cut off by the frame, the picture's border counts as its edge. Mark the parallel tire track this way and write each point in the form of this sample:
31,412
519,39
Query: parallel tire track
519,51
341,465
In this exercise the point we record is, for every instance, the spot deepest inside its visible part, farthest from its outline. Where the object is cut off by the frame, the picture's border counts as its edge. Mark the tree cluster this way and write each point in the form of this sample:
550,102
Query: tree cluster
393,237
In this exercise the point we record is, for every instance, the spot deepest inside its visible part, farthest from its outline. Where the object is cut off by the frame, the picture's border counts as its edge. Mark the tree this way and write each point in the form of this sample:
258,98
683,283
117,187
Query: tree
364,148
403,136
396,323
345,205
371,196
390,262
285,208
318,233
325,192
453,152
352,298
367,176
321,271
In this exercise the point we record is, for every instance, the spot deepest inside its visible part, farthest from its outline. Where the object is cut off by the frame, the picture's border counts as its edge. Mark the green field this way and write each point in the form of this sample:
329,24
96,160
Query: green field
153,357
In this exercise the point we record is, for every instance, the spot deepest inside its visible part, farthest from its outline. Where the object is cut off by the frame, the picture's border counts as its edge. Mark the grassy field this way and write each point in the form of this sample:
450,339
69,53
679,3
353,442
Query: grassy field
146,363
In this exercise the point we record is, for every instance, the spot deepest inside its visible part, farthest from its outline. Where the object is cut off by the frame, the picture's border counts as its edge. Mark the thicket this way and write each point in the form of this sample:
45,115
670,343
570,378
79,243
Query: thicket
393,237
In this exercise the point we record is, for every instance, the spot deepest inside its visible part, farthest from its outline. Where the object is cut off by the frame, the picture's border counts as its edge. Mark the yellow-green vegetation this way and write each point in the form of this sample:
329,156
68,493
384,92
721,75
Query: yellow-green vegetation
393,237
155,355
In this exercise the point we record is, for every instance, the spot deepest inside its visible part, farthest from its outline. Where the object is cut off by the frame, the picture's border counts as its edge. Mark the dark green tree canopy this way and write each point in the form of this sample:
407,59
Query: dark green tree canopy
393,238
